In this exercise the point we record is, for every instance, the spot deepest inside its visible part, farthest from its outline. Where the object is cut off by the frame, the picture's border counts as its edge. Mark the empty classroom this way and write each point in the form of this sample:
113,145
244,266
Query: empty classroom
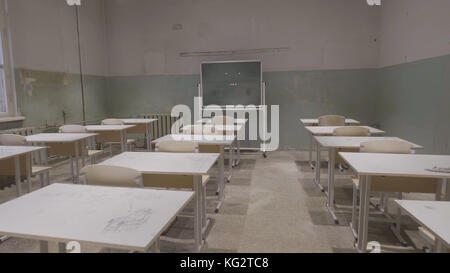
225,126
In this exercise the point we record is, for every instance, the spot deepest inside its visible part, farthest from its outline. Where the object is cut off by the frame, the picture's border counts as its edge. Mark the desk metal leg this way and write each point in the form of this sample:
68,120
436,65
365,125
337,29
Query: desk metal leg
317,178
72,173
17,175
28,167
311,151
77,163
330,203
123,142
83,152
221,182
238,147
47,174
364,186
39,162
447,189
148,137
197,213
230,164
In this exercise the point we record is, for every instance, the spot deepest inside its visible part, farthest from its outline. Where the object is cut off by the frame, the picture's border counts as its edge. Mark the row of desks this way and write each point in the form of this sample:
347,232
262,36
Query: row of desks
139,219
367,165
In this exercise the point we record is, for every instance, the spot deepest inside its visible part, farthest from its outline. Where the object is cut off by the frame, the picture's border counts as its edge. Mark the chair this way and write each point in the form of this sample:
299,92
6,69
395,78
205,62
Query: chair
112,176
199,130
222,120
354,131
77,129
351,131
331,120
113,121
7,166
391,184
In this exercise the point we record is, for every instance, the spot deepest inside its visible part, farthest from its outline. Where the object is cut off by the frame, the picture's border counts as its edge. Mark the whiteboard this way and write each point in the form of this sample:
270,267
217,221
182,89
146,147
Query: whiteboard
231,83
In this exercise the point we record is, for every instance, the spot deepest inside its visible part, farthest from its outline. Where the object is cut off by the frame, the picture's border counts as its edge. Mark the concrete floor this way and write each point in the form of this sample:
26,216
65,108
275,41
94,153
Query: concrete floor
271,205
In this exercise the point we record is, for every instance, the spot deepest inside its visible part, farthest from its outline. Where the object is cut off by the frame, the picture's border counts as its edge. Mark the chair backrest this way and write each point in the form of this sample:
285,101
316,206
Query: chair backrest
112,121
222,120
72,129
386,147
174,146
332,120
200,130
113,176
13,140
351,131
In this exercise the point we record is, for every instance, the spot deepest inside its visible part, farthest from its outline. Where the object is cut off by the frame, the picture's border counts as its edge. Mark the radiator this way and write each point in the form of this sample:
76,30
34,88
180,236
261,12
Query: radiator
25,131
164,125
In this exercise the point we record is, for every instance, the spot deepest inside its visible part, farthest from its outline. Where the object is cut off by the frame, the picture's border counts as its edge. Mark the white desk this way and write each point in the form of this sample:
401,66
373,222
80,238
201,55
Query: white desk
433,215
121,129
142,126
227,130
331,143
210,140
7,152
78,140
111,217
328,131
194,164
405,165
238,121
315,122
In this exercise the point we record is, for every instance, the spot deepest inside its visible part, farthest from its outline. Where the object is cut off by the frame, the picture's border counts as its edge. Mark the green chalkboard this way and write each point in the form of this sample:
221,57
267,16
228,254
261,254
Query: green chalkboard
231,83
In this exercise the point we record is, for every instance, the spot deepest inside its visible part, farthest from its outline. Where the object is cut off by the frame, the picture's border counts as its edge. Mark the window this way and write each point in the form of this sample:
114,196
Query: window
3,100
8,108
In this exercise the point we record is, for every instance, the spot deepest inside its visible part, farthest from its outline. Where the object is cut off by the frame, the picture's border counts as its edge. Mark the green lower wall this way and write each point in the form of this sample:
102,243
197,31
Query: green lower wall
299,94
303,94
407,100
414,102
43,101
130,96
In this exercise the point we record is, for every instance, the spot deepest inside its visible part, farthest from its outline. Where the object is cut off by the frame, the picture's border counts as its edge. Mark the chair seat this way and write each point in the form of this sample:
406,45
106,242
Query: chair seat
94,152
205,179
40,169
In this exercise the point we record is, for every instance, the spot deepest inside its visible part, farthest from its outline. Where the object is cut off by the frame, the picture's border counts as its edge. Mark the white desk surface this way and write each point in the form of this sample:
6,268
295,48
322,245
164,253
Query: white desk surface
12,151
312,121
433,215
239,121
329,130
113,217
353,142
227,128
165,163
138,120
59,137
410,165
200,139
98,128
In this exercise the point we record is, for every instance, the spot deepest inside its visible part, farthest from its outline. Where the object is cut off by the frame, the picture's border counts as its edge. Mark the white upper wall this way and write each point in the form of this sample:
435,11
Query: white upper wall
44,36
413,29
320,34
